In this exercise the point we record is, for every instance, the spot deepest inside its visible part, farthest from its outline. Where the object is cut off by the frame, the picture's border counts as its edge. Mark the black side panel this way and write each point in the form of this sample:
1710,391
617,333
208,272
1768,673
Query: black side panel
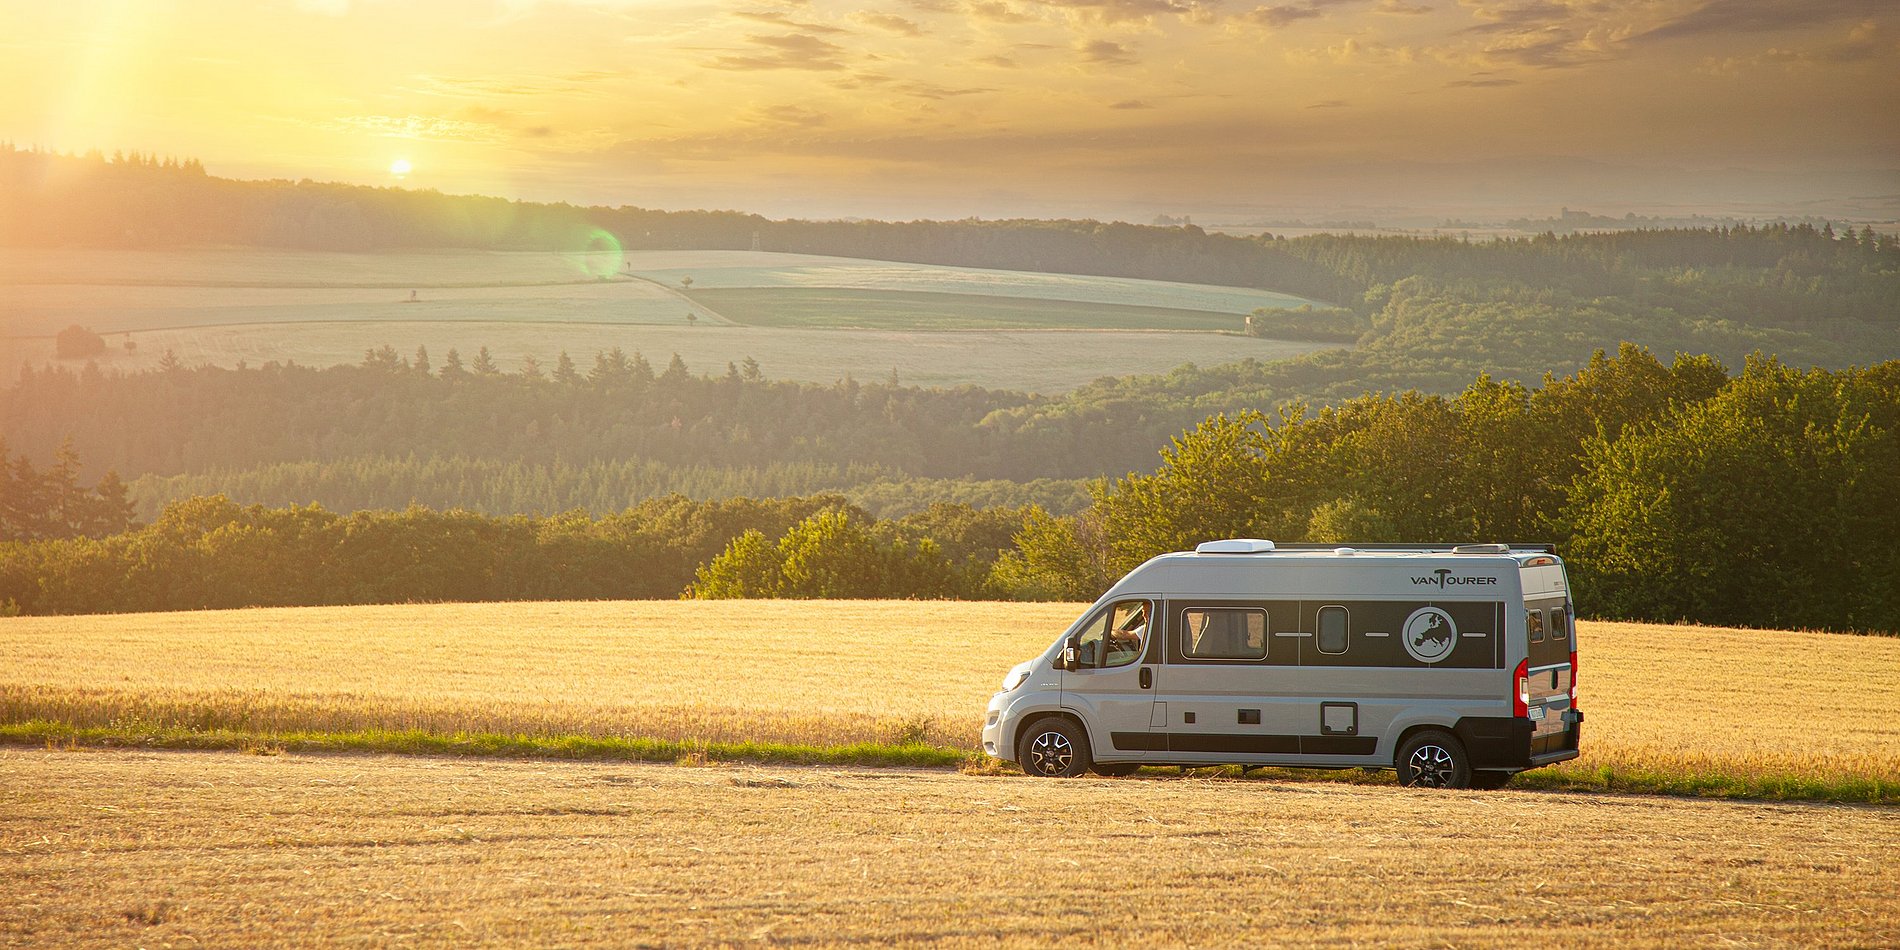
1338,745
1260,745
1207,742
1496,742
1139,741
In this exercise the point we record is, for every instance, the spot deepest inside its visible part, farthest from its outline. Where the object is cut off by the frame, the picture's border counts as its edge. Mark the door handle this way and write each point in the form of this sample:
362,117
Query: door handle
1147,678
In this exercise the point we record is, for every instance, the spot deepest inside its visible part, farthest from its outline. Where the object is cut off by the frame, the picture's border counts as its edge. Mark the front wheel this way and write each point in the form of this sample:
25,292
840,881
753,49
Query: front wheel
1434,759
1054,748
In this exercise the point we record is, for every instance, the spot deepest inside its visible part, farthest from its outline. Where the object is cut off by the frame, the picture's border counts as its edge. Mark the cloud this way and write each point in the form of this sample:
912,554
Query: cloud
1106,53
1866,41
1330,104
1763,16
1115,11
1400,7
1537,15
931,90
888,21
420,127
1130,104
1479,83
787,51
999,61
775,18
793,115
998,11
1276,17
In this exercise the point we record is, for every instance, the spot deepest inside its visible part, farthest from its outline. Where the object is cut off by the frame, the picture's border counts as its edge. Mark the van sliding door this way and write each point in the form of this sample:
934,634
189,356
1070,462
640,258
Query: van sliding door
1230,684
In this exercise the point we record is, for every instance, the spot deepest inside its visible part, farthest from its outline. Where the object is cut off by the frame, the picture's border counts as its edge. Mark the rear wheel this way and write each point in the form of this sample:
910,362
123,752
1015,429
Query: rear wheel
1117,770
1490,781
1434,759
1054,748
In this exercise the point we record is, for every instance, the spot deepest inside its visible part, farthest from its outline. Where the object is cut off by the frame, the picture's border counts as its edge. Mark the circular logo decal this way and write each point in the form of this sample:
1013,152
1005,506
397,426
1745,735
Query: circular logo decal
1429,634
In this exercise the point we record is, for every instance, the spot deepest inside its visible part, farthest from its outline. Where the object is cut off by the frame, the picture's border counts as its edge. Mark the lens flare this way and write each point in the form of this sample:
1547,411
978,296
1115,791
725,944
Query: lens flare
600,255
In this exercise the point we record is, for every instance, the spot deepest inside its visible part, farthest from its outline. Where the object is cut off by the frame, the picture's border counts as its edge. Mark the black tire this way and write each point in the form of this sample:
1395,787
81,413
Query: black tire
1490,781
1433,759
1117,770
1053,748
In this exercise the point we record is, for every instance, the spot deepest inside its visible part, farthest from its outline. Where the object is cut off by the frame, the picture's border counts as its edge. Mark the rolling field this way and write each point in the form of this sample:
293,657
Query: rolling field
1042,361
1686,708
890,310
225,850
765,270
804,318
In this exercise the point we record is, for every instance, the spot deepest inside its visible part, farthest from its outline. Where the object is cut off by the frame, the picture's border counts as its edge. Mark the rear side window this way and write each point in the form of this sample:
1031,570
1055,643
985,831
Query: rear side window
1560,624
1333,624
1224,633
1534,622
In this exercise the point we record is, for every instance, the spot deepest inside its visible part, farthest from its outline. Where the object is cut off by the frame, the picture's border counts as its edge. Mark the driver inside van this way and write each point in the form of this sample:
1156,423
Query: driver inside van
1125,637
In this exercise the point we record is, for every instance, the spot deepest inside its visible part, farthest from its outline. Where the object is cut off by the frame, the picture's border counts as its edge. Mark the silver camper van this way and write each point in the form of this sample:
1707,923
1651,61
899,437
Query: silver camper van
1454,665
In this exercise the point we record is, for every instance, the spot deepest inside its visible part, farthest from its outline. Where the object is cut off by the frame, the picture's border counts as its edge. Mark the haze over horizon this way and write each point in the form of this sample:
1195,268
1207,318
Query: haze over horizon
1386,109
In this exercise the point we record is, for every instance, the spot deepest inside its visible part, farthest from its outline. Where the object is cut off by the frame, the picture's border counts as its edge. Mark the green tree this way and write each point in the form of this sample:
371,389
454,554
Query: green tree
1770,504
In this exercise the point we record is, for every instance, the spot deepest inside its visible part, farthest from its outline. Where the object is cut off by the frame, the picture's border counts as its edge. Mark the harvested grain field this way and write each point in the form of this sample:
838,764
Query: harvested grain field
220,849
1771,711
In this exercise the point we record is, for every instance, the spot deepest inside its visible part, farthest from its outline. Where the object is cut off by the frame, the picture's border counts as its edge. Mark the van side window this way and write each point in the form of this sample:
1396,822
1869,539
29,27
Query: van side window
1224,633
1116,638
1332,629
1559,624
1534,622
1127,633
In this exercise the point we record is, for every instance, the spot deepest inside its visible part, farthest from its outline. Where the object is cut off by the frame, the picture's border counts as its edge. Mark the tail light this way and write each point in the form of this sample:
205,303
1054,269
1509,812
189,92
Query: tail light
1521,700
1573,679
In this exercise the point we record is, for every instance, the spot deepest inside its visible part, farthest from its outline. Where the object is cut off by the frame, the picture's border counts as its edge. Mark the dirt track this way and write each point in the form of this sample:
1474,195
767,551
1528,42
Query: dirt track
195,849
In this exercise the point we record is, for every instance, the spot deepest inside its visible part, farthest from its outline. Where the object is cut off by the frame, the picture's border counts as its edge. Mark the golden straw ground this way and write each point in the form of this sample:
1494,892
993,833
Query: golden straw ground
1674,700
220,849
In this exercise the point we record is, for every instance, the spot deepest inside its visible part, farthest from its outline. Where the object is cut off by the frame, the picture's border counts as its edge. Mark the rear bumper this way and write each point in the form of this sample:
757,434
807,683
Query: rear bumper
1498,743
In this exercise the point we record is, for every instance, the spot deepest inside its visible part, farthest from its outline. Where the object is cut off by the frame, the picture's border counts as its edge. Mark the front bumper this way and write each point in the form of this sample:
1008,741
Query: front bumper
993,731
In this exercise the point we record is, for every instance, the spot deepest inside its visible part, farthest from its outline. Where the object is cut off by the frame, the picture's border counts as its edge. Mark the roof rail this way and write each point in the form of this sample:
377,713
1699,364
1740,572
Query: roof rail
1541,547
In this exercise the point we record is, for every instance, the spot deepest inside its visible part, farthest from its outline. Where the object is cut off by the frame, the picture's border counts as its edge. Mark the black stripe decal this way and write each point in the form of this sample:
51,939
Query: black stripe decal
1247,744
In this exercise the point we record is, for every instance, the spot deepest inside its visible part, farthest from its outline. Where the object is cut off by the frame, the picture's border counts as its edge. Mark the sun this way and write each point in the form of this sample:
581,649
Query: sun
400,167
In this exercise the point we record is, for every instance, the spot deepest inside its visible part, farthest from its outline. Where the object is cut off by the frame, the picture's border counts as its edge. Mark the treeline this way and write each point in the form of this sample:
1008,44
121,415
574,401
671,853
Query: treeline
717,432
600,487
50,199
208,553
1675,491
1777,275
37,505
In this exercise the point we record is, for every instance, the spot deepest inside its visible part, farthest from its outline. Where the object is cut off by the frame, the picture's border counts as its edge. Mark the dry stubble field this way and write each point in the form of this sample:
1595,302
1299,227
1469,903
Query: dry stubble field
220,849
1748,706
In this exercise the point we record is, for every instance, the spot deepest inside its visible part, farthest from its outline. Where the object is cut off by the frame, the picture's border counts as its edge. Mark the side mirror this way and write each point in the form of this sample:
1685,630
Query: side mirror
1070,652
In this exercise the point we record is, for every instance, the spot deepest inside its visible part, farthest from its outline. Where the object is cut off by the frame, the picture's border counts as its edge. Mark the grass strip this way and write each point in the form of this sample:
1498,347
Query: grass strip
492,745
1765,787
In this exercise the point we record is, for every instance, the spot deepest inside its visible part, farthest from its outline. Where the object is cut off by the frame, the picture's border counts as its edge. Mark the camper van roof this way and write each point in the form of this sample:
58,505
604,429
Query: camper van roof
1258,546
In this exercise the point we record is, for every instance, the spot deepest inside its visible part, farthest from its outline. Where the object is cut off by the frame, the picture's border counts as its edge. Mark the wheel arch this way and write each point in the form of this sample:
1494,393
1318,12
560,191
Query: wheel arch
1405,735
1031,719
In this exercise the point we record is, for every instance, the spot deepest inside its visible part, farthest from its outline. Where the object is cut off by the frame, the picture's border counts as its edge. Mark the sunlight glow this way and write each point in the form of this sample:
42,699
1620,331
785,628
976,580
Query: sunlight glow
400,167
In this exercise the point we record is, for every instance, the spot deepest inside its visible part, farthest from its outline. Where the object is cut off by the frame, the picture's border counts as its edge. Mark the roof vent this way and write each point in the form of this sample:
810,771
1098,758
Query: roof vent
1482,549
1234,546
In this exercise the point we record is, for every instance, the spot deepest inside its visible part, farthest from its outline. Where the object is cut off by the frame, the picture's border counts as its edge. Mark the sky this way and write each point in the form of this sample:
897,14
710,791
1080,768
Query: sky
1229,111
